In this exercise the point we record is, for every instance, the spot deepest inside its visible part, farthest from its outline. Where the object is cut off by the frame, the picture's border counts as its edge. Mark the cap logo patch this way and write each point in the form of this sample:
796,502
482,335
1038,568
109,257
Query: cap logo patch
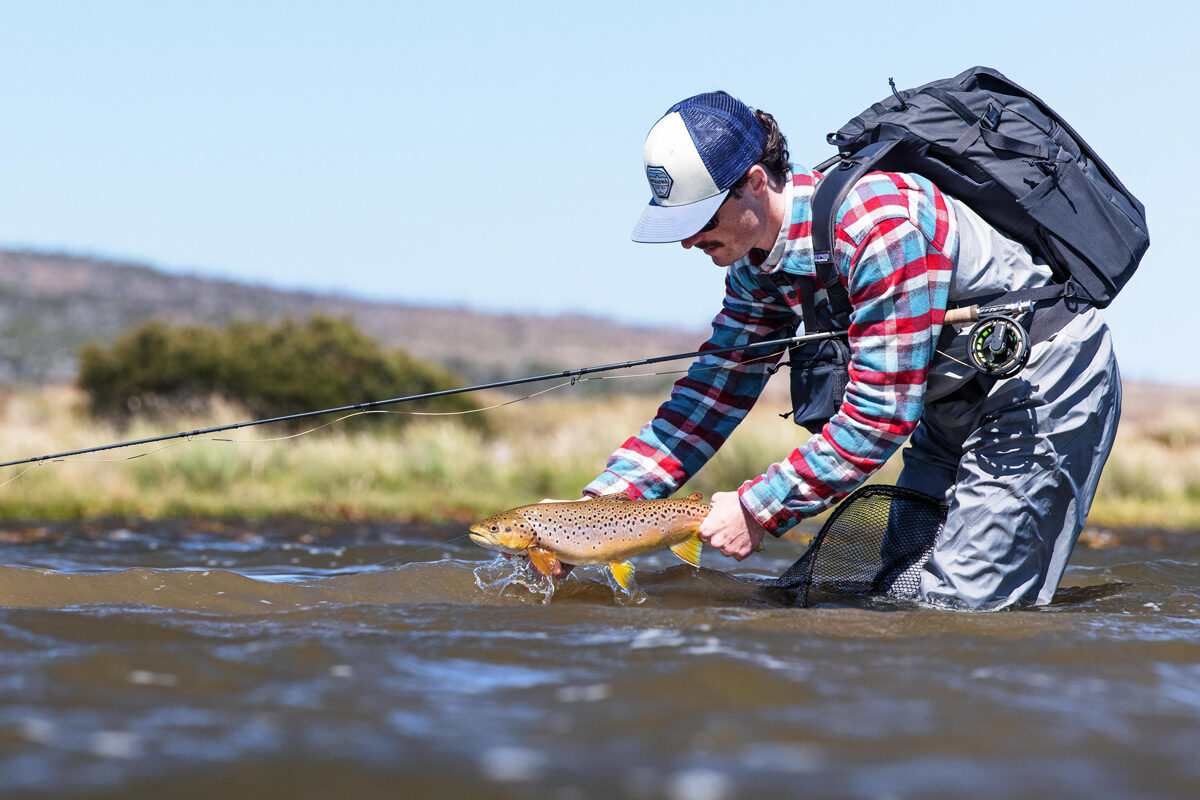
660,182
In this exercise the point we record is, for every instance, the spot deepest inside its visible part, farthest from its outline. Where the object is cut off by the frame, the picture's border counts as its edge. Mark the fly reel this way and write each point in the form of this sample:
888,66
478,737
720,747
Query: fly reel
998,346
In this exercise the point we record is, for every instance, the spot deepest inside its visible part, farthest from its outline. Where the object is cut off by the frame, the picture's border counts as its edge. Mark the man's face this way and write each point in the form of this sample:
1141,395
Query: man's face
741,220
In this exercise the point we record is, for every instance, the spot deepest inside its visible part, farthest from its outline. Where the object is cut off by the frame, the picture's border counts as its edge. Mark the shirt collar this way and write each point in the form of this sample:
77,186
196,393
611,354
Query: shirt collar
793,250
771,262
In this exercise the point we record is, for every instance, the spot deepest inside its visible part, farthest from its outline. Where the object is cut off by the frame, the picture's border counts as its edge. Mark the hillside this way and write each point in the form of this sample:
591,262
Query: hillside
50,304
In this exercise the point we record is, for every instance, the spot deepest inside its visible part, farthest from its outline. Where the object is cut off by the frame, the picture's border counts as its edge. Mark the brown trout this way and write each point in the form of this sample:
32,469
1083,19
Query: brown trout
603,530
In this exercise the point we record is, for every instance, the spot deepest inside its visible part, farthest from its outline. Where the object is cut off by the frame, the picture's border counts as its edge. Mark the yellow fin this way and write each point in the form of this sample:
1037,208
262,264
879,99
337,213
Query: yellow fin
622,572
695,496
689,549
544,560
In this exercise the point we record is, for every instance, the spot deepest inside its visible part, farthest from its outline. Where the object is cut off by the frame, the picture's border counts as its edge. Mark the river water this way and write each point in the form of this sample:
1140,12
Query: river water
297,661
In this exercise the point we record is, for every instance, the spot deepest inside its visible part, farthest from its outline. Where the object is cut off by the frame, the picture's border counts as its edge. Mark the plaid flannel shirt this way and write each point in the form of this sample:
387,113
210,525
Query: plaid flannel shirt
896,242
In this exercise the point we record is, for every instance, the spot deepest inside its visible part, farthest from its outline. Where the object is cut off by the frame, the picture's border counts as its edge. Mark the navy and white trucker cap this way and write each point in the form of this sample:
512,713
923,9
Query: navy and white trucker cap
699,148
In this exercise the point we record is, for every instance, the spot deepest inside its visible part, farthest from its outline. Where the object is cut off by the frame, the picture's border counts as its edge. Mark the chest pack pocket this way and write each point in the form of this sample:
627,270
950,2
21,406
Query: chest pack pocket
820,372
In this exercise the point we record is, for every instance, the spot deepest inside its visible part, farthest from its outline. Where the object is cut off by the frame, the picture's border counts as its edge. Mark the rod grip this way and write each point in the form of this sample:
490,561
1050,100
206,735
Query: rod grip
959,316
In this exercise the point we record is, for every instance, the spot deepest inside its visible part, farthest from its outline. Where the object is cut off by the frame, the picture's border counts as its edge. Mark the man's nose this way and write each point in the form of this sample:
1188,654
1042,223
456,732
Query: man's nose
690,241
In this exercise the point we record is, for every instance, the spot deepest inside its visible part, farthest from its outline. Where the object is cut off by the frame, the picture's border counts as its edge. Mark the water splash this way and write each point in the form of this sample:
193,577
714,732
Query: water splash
497,575
500,573
623,596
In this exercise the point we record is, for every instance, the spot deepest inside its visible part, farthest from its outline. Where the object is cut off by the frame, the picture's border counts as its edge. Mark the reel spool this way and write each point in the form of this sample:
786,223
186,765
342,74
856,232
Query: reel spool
998,346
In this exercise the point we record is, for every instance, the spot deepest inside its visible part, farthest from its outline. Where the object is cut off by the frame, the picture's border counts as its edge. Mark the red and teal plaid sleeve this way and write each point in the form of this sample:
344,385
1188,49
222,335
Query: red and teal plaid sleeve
706,404
896,244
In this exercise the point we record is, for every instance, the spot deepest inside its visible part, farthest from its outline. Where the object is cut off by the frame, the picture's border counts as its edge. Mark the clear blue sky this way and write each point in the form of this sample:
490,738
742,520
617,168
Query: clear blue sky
489,154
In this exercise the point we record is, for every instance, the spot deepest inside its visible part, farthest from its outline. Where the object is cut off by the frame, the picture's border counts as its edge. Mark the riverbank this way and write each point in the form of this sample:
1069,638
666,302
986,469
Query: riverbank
437,469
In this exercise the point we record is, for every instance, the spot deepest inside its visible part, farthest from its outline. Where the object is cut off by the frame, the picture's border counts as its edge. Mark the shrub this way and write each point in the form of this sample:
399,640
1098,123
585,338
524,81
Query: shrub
271,369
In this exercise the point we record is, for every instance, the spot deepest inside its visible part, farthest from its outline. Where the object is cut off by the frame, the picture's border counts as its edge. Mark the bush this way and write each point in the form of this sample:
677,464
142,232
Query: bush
271,369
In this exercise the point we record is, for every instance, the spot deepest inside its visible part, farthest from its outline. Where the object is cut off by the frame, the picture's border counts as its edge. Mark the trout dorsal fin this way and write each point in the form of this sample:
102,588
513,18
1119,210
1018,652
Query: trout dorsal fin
696,496
689,549
613,496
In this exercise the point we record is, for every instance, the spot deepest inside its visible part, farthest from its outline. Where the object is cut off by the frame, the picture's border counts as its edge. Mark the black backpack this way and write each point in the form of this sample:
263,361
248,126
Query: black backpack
993,145
988,142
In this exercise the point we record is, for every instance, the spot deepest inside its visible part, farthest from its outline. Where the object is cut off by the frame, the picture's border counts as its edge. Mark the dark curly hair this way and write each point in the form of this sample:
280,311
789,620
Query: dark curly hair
774,158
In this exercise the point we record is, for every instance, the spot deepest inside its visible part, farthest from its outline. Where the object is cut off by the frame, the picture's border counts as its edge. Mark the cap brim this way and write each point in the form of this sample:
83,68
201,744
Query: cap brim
675,223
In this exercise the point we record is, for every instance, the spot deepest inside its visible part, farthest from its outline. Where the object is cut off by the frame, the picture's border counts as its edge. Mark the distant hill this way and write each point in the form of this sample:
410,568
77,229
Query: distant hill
51,304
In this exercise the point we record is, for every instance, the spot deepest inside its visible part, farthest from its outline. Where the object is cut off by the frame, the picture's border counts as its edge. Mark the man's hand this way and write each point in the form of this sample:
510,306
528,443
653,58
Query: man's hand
730,528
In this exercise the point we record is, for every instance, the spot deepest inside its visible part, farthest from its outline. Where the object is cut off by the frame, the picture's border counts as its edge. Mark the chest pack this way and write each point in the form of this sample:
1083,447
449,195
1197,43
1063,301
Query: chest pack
991,144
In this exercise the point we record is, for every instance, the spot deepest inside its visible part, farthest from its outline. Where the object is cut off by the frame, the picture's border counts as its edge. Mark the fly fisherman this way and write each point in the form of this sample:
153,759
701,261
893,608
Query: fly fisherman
1017,459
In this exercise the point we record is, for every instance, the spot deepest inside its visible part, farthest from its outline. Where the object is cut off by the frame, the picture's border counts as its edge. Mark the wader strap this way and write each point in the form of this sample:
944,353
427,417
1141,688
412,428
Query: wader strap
808,309
806,288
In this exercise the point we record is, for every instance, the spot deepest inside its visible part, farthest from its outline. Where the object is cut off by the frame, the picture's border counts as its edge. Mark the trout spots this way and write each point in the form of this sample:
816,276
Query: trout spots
602,530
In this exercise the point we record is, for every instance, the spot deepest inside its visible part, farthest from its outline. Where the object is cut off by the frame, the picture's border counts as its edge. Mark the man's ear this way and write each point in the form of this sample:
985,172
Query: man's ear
757,180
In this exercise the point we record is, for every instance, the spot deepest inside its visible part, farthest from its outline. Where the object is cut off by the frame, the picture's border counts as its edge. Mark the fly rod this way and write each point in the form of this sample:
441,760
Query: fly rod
573,374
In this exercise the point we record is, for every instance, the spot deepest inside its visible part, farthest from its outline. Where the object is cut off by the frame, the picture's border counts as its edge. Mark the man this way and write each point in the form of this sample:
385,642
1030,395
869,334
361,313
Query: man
1017,459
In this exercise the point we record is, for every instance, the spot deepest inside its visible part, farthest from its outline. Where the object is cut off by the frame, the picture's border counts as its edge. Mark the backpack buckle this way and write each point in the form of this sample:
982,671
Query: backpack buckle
990,118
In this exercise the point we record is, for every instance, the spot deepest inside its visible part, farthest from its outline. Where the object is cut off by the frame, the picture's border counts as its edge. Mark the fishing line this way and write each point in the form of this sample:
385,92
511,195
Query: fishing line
201,436
441,545
574,376
54,460
225,440
388,411
21,473
449,413
465,411
955,360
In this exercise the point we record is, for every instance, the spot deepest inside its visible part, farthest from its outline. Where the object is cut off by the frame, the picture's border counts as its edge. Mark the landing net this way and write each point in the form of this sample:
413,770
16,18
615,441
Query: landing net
875,543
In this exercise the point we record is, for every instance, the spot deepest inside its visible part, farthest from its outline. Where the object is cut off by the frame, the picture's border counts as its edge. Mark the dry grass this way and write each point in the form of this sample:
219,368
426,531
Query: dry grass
1152,479
437,468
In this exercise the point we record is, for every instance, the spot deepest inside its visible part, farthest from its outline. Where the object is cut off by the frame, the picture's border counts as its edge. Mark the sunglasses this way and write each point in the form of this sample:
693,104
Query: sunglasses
714,222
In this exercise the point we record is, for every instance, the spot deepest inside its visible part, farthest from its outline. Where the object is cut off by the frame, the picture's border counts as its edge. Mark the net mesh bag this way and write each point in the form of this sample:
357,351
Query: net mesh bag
874,543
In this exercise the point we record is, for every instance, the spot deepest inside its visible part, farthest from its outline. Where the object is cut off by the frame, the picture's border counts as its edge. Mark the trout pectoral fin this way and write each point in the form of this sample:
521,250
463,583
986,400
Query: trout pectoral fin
689,549
622,572
545,560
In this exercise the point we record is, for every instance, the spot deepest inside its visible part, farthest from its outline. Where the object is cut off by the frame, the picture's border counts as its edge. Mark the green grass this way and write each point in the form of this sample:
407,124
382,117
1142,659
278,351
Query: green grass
440,469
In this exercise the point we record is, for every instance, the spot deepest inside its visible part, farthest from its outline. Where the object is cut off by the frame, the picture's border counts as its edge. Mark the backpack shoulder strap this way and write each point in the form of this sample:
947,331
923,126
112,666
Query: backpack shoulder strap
840,175
827,199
